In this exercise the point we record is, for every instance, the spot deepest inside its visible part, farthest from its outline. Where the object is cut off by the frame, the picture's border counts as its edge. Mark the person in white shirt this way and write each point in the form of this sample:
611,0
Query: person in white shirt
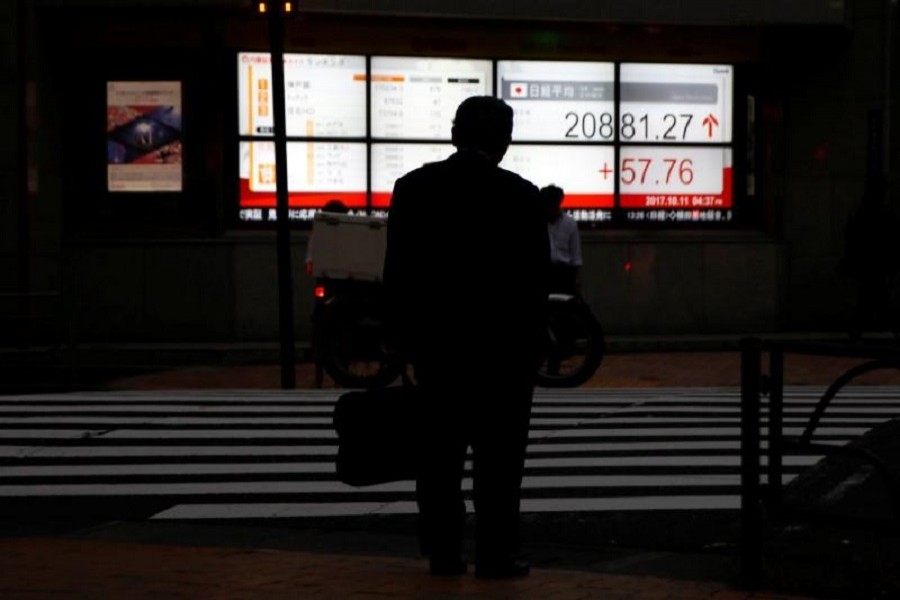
565,243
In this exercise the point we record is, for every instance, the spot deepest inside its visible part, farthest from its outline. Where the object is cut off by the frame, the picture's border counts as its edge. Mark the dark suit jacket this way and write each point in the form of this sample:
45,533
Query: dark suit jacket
466,269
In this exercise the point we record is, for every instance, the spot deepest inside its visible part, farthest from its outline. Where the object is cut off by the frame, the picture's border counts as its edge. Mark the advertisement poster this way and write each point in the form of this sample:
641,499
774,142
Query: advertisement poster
143,136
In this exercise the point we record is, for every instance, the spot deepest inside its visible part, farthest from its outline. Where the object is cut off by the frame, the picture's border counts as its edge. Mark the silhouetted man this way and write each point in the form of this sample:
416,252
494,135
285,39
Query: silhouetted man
466,280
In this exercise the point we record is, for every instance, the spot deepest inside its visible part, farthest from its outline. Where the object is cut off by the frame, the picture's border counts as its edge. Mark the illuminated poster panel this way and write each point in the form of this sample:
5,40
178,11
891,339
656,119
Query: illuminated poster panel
143,136
671,103
586,174
325,95
559,101
392,161
317,172
676,183
416,98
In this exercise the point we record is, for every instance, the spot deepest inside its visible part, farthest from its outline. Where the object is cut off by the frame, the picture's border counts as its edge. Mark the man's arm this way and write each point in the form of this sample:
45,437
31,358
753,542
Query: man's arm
397,270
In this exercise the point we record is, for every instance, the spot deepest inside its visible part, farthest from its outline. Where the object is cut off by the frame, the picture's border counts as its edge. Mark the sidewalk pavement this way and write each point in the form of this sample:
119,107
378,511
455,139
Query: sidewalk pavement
72,567
642,369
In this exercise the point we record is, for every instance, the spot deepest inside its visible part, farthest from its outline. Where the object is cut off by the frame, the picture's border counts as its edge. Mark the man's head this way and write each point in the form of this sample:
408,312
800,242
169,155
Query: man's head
552,197
335,206
483,123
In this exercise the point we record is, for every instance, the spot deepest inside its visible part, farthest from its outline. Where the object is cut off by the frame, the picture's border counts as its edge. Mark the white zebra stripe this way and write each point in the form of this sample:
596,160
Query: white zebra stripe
528,505
334,487
327,434
182,469
321,450
164,409
146,451
179,421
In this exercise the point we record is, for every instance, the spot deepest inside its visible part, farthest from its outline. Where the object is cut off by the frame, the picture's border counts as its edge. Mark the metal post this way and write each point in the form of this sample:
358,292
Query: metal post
890,9
751,501
776,432
23,207
285,281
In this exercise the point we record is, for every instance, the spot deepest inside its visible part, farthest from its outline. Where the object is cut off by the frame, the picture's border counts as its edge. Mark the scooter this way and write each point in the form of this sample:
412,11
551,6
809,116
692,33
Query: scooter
350,338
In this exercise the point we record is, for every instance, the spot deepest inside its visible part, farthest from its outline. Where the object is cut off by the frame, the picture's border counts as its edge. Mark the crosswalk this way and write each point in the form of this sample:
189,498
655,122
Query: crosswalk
270,454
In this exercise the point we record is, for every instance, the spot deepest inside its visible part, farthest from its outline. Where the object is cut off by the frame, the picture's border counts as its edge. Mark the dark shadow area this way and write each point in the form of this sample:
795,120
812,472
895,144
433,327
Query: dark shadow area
685,545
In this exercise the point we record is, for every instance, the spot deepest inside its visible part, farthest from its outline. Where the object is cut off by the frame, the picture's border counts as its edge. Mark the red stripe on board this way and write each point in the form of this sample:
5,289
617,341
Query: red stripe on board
251,199
588,201
383,200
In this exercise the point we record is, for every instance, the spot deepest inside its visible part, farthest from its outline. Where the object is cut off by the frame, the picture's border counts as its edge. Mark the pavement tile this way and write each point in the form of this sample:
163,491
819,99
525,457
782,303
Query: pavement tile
642,370
48,568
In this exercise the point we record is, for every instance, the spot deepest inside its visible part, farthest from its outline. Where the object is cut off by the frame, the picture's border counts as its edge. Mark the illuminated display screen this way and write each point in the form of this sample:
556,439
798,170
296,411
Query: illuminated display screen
325,95
669,103
587,175
392,161
317,172
143,136
559,101
661,151
416,98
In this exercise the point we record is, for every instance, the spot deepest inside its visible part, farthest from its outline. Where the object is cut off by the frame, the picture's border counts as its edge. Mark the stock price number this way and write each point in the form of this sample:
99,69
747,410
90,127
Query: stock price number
675,171
673,125
589,126
670,127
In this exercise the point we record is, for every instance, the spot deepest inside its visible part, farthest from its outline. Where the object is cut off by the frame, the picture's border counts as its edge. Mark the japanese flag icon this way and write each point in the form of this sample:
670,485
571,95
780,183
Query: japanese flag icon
518,90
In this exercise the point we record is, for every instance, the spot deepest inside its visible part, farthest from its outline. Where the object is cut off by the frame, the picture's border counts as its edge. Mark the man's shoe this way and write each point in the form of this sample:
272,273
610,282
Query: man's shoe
451,566
502,570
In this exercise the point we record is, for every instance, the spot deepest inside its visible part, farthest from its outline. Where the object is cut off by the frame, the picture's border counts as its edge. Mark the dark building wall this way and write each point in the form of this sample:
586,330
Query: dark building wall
178,268
11,84
830,93
29,230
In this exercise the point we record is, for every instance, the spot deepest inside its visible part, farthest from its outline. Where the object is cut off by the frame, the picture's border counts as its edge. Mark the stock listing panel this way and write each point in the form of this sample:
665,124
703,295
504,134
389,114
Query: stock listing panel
325,119
416,98
675,133
646,142
413,101
563,129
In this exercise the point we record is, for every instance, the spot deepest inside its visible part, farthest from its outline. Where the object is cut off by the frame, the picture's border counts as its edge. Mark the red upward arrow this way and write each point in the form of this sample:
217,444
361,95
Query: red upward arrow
710,121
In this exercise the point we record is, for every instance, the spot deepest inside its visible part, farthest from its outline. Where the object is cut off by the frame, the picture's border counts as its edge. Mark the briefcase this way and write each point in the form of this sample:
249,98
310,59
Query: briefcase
379,435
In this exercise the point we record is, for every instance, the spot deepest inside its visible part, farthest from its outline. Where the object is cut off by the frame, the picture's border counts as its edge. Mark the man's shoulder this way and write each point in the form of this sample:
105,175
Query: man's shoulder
426,172
449,169
514,179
